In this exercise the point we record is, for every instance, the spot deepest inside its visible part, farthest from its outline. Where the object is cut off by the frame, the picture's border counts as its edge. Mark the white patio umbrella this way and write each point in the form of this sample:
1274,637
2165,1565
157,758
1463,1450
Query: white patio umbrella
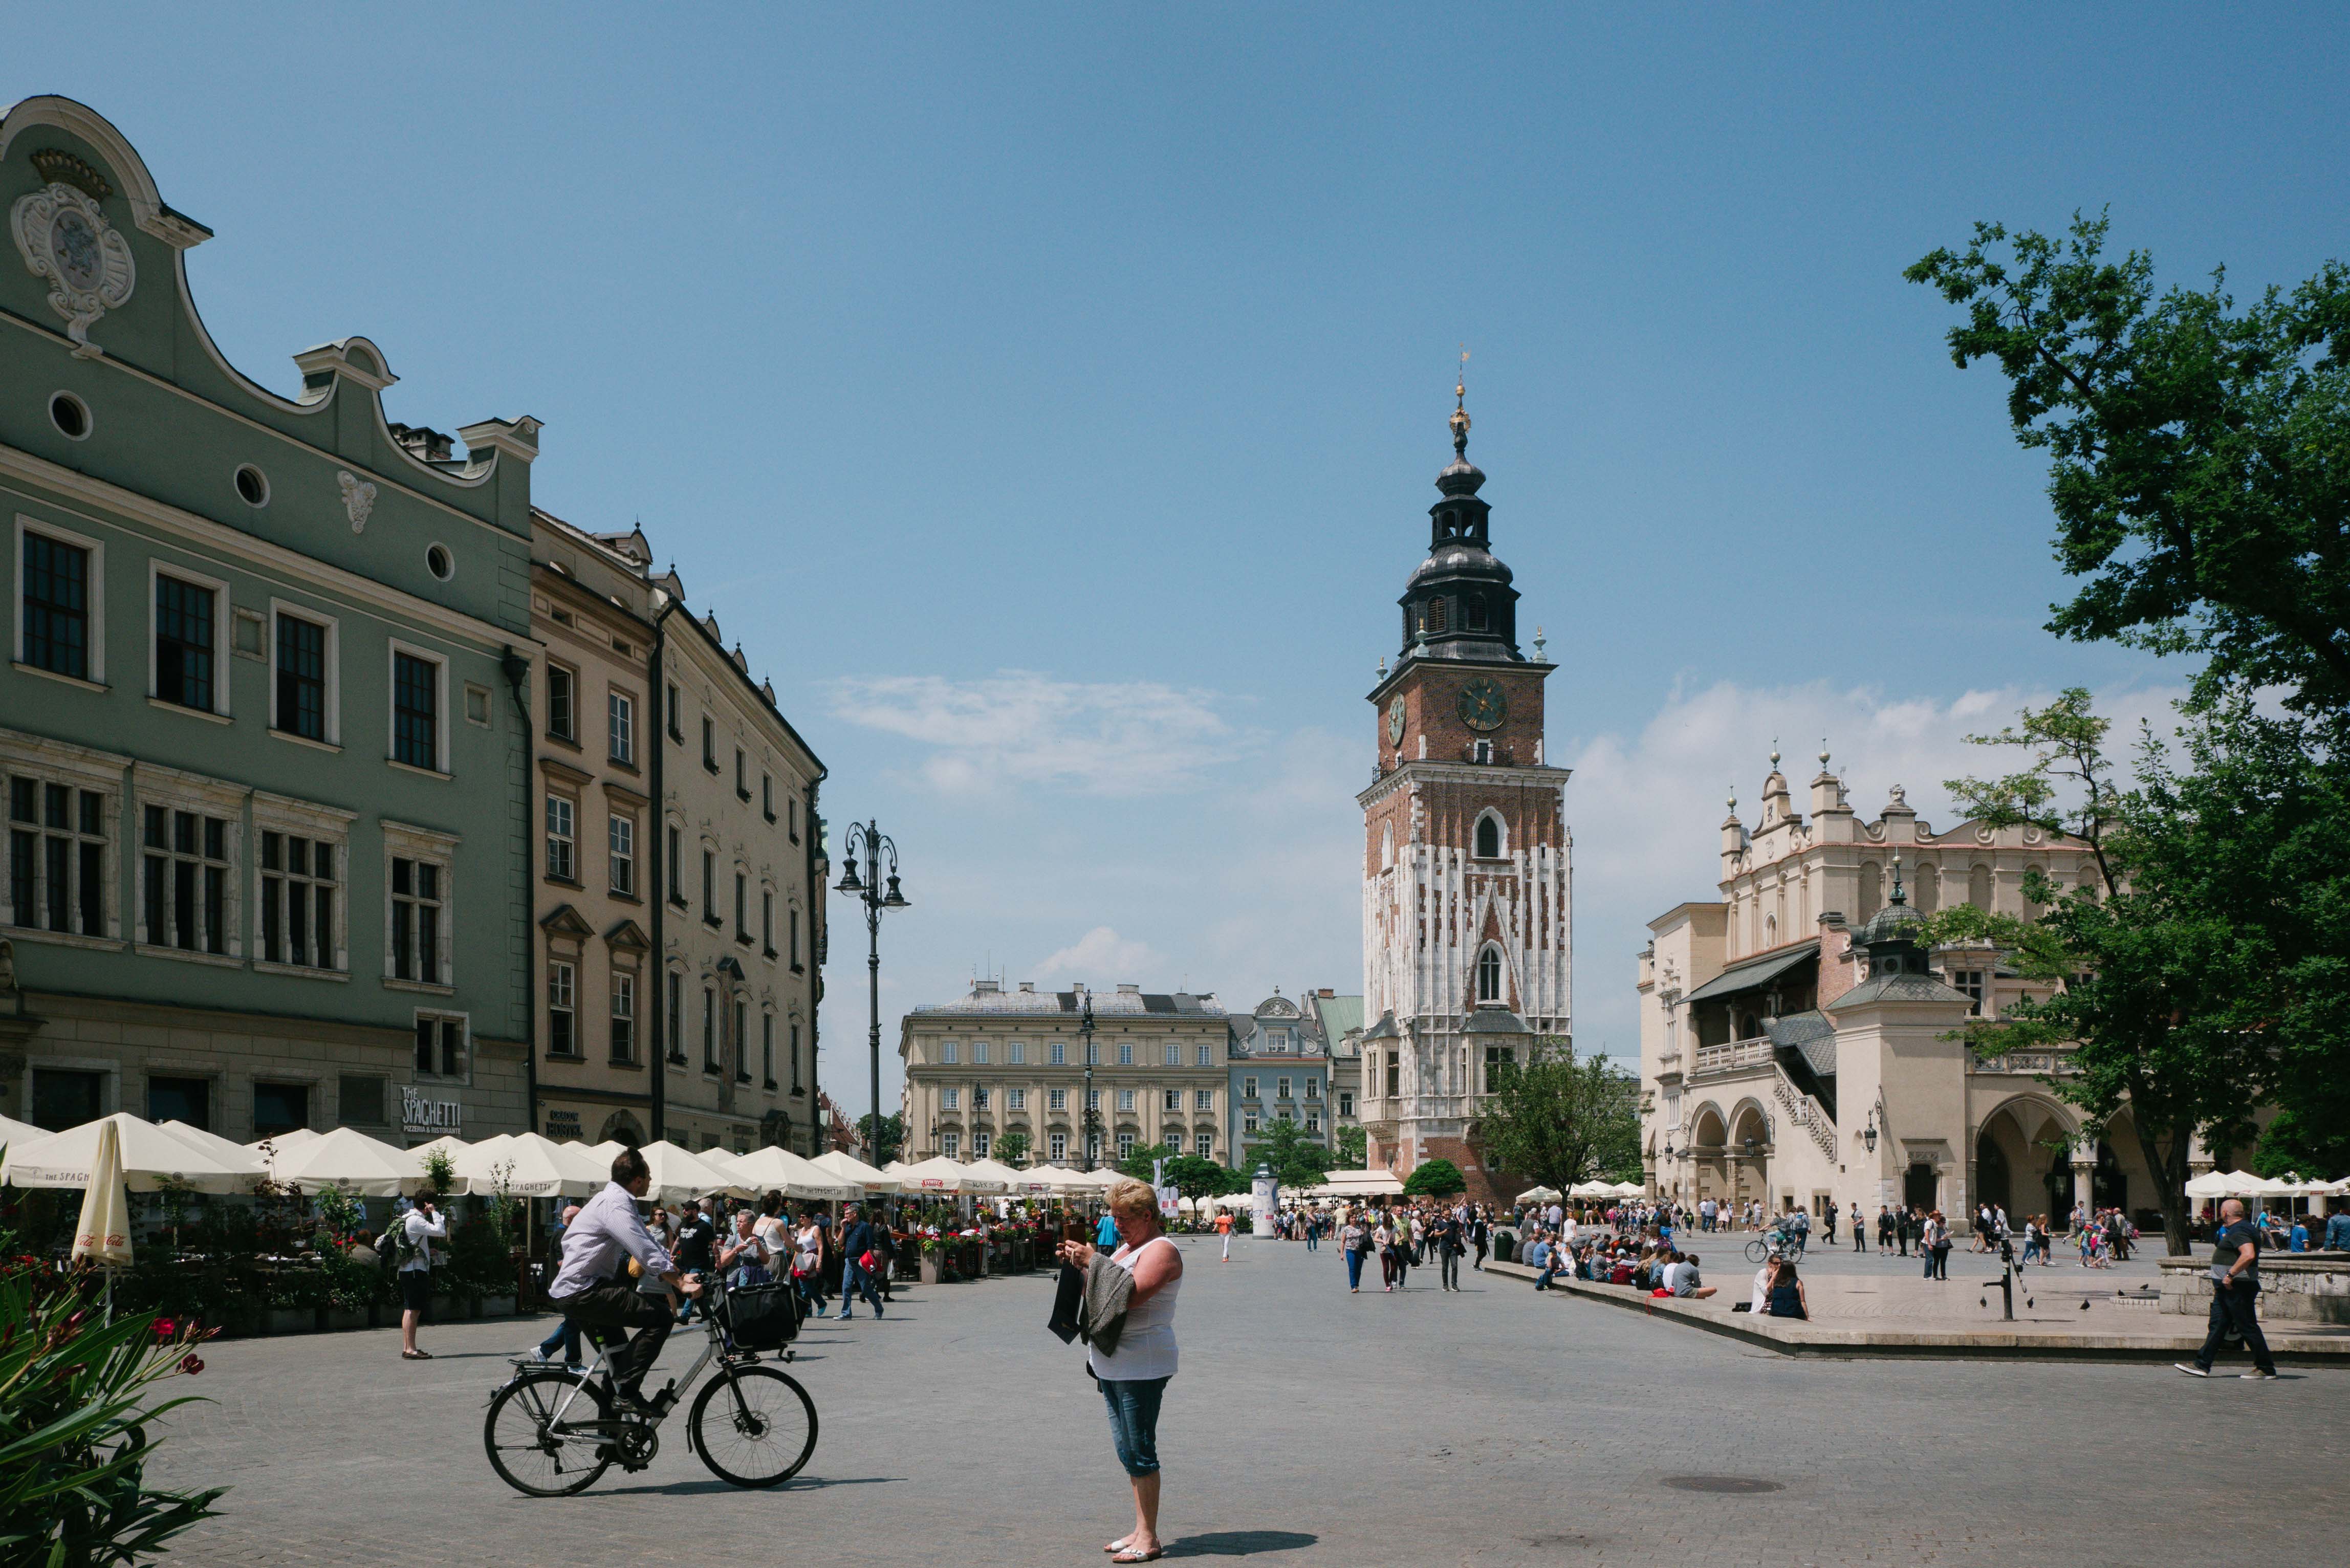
1013,1180
1539,1195
848,1167
235,1156
946,1176
780,1170
2210,1184
150,1156
679,1174
13,1133
355,1162
1630,1190
531,1166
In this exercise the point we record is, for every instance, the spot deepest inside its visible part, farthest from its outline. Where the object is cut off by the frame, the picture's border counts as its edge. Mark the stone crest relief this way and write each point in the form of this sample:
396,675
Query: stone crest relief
359,499
64,238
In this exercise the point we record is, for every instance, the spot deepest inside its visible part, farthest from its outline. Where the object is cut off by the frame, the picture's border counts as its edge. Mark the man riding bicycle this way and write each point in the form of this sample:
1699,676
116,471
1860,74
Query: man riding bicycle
593,1290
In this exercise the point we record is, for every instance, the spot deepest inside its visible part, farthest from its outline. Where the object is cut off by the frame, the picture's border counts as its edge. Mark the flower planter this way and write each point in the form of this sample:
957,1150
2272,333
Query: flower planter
497,1306
290,1320
444,1309
931,1274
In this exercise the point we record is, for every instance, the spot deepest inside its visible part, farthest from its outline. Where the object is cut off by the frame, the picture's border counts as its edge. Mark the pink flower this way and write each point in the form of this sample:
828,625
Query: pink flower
192,1364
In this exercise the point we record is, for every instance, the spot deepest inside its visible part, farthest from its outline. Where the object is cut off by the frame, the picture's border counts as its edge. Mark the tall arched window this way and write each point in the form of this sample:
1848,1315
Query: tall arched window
1435,616
1979,886
1387,846
1489,837
1489,975
1872,889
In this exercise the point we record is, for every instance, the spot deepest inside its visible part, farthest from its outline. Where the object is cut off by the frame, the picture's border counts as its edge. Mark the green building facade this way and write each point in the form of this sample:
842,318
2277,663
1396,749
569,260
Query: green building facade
262,724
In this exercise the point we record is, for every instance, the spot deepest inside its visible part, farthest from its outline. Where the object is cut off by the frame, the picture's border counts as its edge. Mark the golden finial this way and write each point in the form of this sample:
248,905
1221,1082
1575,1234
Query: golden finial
1460,407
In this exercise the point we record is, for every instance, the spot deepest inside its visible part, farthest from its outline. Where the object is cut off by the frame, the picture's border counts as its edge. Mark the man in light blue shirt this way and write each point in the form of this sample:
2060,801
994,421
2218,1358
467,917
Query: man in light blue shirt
609,1230
1542,1256
2337,1232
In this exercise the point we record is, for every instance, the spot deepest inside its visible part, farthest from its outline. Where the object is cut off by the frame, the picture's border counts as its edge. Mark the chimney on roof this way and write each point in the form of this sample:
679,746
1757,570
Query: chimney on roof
984,988
1325,990
1125,990
1029,986
421,442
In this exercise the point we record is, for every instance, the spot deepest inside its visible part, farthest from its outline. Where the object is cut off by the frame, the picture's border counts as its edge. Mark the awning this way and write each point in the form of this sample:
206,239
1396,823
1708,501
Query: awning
1762,972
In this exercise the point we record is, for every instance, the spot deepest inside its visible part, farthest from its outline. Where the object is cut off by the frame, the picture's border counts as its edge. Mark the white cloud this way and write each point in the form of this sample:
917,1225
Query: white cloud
1101,957
1646,811
1018,727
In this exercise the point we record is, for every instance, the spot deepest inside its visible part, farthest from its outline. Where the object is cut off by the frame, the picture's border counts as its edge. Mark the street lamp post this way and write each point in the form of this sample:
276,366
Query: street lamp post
1086,1043
880,856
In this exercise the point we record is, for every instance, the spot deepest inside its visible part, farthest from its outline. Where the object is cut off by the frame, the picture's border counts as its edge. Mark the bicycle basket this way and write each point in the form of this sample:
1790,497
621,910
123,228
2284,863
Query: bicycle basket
762,1317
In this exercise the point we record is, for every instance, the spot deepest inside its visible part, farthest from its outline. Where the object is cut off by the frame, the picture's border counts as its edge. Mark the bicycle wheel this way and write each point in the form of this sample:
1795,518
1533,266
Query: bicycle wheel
1757,1250
755,1426
530,1451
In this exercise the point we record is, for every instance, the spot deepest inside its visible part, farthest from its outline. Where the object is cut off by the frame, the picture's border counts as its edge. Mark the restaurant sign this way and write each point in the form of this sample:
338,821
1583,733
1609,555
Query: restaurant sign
429,1118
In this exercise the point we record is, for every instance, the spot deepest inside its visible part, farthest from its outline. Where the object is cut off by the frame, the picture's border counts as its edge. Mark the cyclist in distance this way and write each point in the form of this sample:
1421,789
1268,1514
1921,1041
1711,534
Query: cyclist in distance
593,1290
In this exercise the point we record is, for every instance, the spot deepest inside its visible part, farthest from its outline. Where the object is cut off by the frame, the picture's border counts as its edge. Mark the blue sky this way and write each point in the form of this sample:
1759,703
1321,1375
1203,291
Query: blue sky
1048,398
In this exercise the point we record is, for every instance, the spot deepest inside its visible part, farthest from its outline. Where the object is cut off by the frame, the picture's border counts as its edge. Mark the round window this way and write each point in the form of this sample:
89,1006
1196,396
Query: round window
71,415
253,486
440,563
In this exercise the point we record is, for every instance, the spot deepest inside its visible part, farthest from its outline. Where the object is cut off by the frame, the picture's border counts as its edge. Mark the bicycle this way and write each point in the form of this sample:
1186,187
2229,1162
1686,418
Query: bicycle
1786,1244
759,1419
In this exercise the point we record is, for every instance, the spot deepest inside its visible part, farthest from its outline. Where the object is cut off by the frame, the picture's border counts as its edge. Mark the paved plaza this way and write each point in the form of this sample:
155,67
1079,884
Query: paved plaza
1307,1427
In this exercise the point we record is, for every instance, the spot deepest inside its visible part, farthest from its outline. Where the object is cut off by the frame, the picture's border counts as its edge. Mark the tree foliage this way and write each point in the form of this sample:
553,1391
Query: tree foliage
1435,1178
891,1142
1012,1148
2200,471
1188,1174
1293,1155
1351,1150
1560,1121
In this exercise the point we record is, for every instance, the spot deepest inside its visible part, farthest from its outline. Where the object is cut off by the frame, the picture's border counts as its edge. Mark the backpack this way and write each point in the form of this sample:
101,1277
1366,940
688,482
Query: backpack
394,1246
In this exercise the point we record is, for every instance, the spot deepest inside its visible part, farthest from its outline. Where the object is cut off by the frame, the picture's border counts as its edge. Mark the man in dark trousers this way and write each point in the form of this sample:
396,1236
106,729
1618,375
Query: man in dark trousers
593,1288
697,1248
2235,1291
857,1240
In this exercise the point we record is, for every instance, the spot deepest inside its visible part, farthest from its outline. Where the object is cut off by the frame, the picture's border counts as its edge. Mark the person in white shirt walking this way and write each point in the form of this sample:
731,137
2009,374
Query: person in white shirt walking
415,1234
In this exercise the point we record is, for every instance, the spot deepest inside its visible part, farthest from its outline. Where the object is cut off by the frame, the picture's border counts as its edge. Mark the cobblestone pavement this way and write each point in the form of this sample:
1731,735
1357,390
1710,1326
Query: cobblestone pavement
1307,1427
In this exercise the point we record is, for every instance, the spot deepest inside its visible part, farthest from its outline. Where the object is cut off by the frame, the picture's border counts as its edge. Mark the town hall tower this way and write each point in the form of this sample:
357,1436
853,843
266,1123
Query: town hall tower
1466,927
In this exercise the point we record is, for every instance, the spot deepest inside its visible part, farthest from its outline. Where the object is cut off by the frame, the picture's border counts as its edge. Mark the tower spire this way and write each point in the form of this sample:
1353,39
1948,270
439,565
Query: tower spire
1460,421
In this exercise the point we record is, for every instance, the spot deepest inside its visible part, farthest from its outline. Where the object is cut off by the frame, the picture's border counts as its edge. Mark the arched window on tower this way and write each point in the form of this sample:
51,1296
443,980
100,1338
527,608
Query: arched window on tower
1435,616
1489,975
1387,846
1489,837
1472,610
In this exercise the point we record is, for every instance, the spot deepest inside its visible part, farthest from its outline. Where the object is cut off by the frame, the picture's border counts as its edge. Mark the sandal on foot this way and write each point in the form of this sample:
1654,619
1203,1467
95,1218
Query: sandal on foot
1118,1545
1132,1555
416,1356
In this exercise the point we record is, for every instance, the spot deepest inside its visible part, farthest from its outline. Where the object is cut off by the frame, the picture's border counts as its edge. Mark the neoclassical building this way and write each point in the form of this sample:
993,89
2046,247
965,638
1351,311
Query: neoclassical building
1280,1071
1467,935
1793,1031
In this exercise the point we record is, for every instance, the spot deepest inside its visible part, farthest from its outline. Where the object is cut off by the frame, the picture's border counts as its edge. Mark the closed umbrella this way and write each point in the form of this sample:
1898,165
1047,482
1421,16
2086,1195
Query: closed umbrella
150,1157
103,1234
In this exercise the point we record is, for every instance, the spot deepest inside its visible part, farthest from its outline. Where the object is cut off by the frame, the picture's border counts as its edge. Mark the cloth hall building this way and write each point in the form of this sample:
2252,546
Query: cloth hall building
1791,1031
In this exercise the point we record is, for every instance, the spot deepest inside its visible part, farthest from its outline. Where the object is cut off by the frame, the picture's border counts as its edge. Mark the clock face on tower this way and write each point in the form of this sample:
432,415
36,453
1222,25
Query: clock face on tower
1395,722
1483,704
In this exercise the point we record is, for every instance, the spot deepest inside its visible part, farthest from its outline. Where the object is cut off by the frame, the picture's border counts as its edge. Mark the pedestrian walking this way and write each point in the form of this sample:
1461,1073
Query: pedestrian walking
696,1251
1224,1228
1859,1229
858,1260
1481,1236
411,1238
1831,1218
1938,1248
1134,1374
1352,1239
2235,1295
1383,1241
1448,1251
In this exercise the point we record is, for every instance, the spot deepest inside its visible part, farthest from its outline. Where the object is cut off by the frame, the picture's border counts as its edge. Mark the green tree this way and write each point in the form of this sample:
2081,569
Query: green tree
1011,1148
1195,1178
1561,1121
1139,1164
891,1141
1435,1178
1294,1156
2198,460
1352,1148
2199,469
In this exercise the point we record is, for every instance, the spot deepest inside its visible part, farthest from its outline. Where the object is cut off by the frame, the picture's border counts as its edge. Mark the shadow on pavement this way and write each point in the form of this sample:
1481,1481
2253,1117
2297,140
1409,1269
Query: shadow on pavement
1239,1542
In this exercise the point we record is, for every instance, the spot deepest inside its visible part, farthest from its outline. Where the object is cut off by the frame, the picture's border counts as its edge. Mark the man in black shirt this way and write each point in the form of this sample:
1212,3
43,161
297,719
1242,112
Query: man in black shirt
2235,1289
697,1248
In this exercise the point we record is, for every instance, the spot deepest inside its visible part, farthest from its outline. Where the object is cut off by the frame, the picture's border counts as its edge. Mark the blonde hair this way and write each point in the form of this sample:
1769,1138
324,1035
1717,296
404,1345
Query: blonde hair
1132,1200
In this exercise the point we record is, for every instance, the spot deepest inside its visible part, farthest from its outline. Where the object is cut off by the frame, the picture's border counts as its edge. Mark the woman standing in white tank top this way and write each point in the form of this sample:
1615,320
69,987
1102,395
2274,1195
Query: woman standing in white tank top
1133,1377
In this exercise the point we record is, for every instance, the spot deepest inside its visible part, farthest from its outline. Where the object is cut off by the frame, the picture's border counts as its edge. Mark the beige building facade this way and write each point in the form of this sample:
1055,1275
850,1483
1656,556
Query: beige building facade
1791,1031
742,886
996,1061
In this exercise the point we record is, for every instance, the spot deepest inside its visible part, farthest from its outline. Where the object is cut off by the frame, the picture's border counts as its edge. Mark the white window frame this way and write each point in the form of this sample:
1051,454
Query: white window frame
1501,835
618,824
1059,1053
1171,1101
950,1144
1015,1099
1248,1088
153,784
1016,1053
393,649
566,835
1059,1144
1126,1099
78,768
624,986
303,819
979,1053
442,1017
979,1143
1204,1099
951,1097
95,679
1204,1145
1207,1057
1057,1099
571,672
1281,1088
948,1053
1174,1054
405,841
562,997
223,635
1125,1145
620,738
334,673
